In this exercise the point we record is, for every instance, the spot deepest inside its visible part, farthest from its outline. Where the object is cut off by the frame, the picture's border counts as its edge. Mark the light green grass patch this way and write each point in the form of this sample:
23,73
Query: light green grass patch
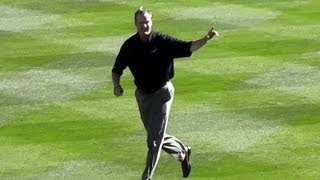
100,109
29,158
62,22
311,58
292,31
98,44
297,80
87,169
73,169
44,85
85,63
246,64
247,98
238,15
251,42
17,20
281,5
11,112
16,48
293,147
222,131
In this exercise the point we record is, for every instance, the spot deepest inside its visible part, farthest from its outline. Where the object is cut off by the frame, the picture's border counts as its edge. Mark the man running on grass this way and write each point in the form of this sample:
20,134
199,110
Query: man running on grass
149,56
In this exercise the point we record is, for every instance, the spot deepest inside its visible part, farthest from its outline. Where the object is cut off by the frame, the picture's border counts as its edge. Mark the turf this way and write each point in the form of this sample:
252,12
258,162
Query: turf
248,102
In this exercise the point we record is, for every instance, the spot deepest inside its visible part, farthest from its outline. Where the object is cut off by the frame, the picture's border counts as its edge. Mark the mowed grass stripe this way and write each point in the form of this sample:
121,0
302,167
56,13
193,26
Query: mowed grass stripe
96,109
43,161
16,110
235,121
85,169
233,65
291,31
237,15
53,7
18,20
295,79
34,157
100,44
265,44
14,19
30,90
311,59
225,131
23,46
46,85
109,44
286,5
298,80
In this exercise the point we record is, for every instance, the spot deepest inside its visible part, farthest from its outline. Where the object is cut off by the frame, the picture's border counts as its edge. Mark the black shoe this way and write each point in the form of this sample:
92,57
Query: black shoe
186,163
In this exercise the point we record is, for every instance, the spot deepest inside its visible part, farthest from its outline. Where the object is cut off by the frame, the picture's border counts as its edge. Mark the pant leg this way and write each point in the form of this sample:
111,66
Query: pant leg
154,110
174,147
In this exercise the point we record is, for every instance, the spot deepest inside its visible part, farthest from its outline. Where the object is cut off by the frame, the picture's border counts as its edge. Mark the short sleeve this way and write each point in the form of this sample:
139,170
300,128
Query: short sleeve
178,48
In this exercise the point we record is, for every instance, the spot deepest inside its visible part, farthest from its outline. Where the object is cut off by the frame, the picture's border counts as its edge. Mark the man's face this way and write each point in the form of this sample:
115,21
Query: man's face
144,24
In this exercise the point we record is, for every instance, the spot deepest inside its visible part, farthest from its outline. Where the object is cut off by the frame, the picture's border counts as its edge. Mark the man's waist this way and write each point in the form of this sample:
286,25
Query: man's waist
151,89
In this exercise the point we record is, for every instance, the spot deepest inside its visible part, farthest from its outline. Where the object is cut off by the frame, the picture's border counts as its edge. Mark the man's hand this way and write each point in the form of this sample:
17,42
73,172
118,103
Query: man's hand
197,44
117,90
211,33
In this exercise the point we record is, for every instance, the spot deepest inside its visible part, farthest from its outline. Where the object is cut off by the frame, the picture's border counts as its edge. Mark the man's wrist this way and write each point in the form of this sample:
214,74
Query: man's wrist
207,38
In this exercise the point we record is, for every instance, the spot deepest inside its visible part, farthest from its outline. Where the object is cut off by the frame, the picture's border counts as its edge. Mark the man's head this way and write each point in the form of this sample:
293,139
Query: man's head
143,22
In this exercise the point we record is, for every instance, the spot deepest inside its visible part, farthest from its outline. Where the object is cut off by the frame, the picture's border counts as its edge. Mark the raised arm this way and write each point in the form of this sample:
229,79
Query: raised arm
197,44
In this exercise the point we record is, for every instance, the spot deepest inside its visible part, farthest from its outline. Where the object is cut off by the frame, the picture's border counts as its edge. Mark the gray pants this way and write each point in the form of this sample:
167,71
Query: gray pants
154,110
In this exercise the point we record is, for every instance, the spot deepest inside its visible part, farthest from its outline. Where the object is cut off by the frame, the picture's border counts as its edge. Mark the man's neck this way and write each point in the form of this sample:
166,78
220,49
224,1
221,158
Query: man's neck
144,38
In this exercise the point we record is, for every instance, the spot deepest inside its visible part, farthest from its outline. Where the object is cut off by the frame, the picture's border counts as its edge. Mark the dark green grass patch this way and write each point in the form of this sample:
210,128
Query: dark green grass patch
54,125
81,60
18,50
266,44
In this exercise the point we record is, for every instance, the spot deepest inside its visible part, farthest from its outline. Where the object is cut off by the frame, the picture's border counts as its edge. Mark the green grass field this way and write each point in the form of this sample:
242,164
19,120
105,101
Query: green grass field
248,102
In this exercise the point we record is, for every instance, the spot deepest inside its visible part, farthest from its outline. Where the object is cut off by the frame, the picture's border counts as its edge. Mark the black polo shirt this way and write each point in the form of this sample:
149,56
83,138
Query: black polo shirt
151,63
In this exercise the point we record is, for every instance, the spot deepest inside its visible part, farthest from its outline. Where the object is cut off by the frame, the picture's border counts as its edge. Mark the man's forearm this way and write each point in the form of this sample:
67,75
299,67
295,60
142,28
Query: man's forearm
116,79
197,44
